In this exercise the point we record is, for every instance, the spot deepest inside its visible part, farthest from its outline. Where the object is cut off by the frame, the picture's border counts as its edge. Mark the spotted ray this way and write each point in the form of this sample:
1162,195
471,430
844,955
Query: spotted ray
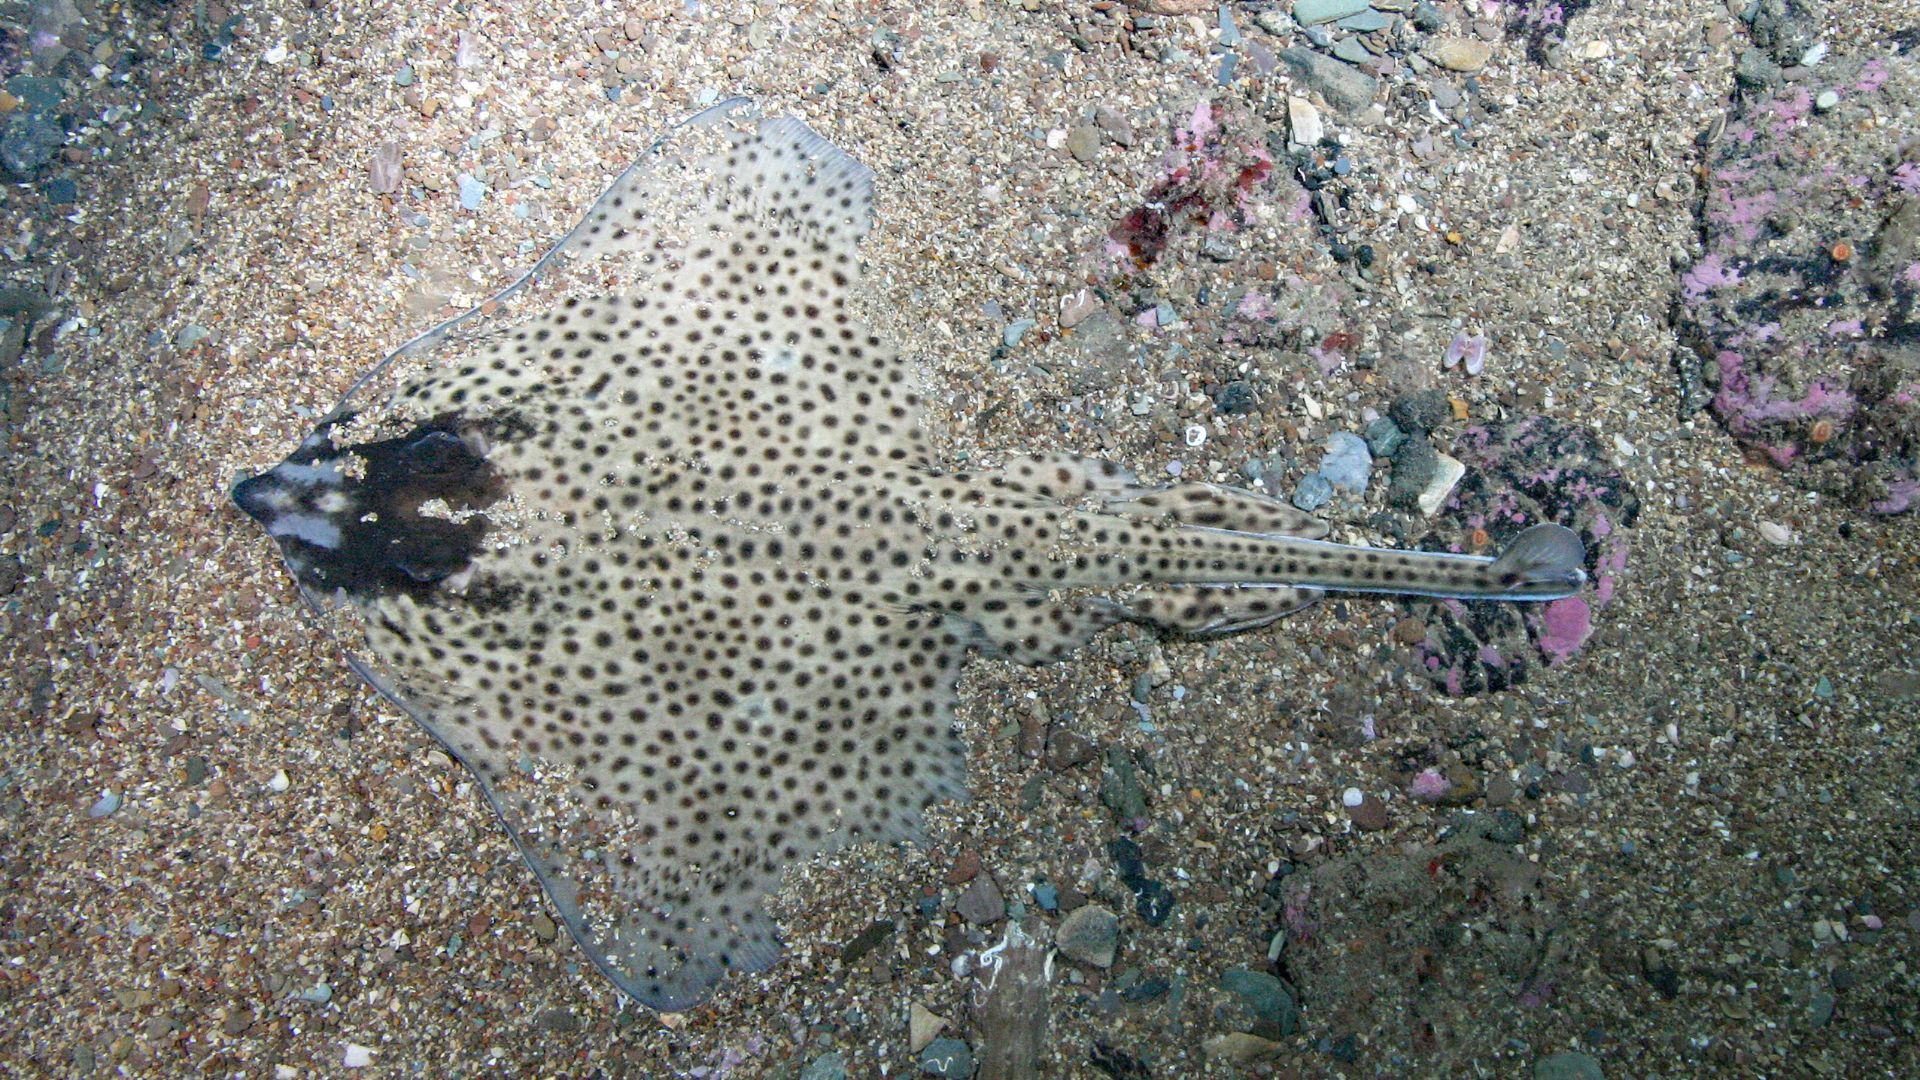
654,544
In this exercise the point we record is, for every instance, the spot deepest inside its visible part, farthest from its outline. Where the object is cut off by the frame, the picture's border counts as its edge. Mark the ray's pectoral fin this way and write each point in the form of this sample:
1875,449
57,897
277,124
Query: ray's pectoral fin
1039,629
1215,506
1210,610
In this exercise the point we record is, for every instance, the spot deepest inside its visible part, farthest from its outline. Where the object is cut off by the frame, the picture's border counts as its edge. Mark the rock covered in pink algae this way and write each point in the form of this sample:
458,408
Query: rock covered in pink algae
1520,474
1800,312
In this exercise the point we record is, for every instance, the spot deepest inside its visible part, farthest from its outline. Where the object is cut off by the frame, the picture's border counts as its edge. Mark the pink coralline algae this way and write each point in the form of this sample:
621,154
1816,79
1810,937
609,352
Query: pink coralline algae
1210,176
1429,786
1564,626
1799,316
1535,469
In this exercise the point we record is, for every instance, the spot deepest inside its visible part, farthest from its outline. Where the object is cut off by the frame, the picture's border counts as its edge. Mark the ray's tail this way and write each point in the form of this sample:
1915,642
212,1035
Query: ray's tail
1542,563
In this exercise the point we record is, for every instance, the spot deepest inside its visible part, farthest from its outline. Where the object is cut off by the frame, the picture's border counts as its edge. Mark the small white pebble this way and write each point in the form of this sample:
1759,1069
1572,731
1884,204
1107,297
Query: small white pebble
358,1057
1196,435
280,782
1353,797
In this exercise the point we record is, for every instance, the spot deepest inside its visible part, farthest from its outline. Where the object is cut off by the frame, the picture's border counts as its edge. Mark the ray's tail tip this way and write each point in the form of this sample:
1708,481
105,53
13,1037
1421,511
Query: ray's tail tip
1545,562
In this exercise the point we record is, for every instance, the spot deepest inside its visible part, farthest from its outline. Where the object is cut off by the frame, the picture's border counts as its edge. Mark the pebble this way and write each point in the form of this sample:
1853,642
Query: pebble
472,191
1447,472
61,191
1115,124
1348,465
1315,12
1369,814
1269,1011
964,869
923,1024
1351,50
1384,437
279,782
1420,412
1312,492
1429,18
1346,90
1366,22
104,805
829,1066
1459,54
357,1056
1568,1066
543,927
1047,896
1240,1048
1827,100
1303,120
403,77
384,169
1075,307
1083,142
1016,330
1090,935
980,902
1120,788
1409,631
947,1057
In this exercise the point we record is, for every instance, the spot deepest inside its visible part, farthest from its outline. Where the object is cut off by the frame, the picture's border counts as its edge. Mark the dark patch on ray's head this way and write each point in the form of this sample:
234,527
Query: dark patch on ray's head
350,518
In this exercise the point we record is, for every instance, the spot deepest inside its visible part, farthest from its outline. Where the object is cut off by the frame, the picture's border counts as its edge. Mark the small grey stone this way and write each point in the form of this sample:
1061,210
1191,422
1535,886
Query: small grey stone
28,141
1568,1066
1445,94
1384,437
980,902
1504,826
1366,22
1312,493
830,1066
951,1058
1090,935
1269,1011
1346,90
1350,50
1315,12
1109,120
1083,142
1754,71
1428,17
472,191
1348,465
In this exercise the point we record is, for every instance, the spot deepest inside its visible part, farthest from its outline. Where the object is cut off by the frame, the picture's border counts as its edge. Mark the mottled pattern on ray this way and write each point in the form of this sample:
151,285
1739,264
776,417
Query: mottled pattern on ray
656,546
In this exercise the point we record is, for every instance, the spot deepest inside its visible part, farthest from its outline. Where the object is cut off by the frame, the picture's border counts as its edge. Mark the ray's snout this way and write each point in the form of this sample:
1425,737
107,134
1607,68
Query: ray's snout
256,495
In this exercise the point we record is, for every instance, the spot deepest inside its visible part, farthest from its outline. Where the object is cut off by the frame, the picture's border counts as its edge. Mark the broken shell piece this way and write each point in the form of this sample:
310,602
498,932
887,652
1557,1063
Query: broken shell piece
1447,472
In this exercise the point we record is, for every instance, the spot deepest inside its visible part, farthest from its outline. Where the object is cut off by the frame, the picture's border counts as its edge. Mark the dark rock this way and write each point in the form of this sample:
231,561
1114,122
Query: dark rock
1420,412
1120,788
1414,466
28,140
949,1058
980,902
1267,1010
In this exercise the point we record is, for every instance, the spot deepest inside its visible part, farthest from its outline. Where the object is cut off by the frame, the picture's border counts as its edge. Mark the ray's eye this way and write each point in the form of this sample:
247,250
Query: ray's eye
437,453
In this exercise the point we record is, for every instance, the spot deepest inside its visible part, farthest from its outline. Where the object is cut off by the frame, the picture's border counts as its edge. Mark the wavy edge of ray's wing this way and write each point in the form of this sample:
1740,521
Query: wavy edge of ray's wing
719,112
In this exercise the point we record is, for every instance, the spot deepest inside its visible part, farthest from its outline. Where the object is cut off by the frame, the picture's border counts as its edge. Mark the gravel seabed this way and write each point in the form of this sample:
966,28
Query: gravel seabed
1691,850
